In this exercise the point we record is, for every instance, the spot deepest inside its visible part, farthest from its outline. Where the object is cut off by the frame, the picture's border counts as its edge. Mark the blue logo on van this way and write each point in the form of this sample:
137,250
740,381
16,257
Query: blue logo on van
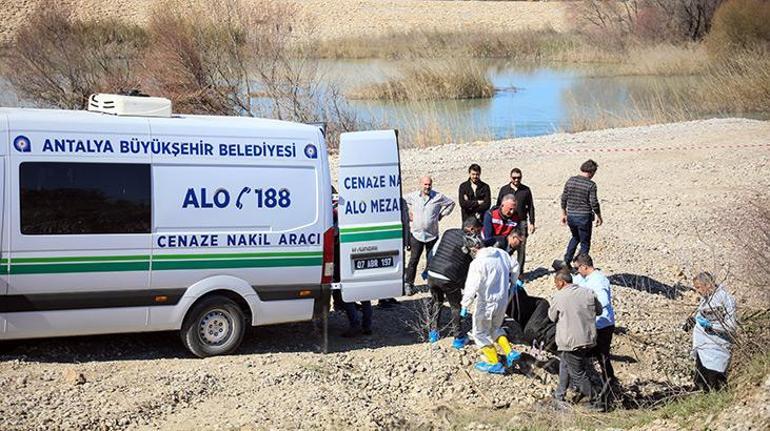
22,144
311,151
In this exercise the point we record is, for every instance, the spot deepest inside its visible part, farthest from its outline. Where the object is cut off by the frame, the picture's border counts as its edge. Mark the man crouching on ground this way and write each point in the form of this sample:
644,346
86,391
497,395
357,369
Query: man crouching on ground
489,281
574,309
447,269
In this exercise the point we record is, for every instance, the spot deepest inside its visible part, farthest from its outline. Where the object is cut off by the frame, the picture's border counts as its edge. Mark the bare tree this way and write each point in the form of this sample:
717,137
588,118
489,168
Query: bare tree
234,57
670,20
57,61
195,61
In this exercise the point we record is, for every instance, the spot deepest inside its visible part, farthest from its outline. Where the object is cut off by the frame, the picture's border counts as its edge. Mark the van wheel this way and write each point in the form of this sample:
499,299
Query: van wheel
215,326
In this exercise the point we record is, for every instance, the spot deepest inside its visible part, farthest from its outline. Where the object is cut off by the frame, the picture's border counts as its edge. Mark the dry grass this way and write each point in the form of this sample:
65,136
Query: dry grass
427,123
531,45
740,25
737,86
740,84
430,131
428,80
665,60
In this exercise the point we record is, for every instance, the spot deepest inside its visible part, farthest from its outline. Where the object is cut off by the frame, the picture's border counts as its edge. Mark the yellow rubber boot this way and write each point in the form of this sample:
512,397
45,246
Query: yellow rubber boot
502,341
490,353
511,355
492,365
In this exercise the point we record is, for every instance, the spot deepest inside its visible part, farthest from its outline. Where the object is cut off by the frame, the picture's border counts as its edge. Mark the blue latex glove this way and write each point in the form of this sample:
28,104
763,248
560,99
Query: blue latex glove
433,336
463,312
515,287
703,322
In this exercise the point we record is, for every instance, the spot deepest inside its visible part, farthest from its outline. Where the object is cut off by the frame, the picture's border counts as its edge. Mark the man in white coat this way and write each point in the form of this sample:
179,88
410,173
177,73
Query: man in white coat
713,327
489,282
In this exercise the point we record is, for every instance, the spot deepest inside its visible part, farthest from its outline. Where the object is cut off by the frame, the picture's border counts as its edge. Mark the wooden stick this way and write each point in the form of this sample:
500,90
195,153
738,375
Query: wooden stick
476,388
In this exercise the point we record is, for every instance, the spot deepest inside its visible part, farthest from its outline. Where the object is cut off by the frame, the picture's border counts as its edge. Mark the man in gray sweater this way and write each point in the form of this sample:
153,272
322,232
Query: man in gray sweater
579,206
574,309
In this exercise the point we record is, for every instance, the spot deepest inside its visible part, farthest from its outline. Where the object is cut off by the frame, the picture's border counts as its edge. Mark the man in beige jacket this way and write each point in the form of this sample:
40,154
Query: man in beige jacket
574,309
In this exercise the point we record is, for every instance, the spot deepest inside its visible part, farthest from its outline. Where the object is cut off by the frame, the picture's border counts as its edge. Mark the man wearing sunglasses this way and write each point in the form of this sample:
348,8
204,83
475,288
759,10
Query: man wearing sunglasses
525,209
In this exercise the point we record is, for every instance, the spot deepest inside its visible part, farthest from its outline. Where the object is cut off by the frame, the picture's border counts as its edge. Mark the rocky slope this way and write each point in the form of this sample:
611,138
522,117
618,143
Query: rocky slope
664,191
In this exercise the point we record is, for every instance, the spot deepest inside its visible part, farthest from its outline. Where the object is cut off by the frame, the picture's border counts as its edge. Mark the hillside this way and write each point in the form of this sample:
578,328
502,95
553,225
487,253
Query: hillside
340,18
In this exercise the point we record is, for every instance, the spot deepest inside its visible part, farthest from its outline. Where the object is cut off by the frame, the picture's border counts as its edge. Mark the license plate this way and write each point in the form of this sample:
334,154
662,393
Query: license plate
373,262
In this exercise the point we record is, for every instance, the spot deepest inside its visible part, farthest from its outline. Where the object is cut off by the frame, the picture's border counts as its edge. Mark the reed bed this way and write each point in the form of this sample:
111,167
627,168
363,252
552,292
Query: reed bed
530,45
427,80
736,86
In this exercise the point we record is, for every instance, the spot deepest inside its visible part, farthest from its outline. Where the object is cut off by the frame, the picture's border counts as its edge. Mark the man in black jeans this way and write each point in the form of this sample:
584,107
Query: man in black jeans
525,209
574,310
579,204
426,208
447,270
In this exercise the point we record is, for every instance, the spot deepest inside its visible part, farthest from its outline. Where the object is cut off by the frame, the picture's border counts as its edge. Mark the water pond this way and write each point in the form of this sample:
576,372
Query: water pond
528,101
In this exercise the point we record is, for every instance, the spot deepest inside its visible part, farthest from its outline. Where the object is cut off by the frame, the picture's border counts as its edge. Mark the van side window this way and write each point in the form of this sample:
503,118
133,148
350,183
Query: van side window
84,198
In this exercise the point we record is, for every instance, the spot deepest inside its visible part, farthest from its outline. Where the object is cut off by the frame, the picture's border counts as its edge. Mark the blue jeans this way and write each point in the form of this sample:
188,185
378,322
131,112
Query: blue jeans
352,313
580,226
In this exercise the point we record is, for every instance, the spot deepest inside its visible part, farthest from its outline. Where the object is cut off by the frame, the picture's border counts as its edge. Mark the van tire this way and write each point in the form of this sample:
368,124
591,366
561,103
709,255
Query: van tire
214,326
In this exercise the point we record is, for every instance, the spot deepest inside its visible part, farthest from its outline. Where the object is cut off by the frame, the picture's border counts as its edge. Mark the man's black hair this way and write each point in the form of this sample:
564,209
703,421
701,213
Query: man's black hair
589,166
515,171
475,168
583,259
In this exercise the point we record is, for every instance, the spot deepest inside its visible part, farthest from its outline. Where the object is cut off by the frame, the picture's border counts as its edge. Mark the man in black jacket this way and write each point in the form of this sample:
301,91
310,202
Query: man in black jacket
447,270
475,195
525,209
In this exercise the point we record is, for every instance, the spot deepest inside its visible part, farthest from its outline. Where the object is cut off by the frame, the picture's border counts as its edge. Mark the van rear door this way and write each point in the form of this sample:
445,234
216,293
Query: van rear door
4,262
4,249
369,216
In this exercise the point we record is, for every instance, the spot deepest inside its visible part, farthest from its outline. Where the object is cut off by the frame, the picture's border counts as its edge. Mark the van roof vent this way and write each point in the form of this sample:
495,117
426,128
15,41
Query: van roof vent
120,105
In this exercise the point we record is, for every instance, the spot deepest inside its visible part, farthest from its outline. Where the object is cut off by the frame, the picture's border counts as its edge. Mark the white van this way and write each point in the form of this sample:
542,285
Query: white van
129,223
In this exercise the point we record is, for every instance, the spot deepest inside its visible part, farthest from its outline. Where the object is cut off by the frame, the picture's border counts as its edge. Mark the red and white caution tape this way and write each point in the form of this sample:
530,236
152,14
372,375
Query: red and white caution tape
640,149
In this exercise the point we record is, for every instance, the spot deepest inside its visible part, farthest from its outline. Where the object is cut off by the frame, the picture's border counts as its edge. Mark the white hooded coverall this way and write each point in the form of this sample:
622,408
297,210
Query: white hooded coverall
489,281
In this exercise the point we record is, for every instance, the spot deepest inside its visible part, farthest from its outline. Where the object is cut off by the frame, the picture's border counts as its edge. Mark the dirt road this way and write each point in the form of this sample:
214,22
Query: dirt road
669,206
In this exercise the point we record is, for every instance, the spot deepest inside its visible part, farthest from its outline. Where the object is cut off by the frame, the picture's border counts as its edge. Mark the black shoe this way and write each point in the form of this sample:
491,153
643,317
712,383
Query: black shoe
351,333
387,303
577,397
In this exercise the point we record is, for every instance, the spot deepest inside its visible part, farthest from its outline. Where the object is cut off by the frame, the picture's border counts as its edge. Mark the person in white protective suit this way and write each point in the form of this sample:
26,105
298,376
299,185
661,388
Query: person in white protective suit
489,281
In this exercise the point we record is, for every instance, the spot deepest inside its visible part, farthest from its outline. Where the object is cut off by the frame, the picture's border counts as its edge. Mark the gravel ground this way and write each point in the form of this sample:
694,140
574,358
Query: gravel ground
663,211
342,18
